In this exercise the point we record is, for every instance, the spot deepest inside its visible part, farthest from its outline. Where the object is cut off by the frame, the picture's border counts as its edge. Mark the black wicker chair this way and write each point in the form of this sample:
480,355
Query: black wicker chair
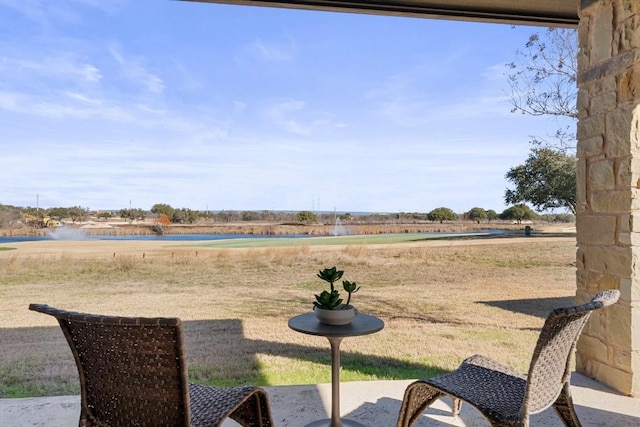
506,397
133,373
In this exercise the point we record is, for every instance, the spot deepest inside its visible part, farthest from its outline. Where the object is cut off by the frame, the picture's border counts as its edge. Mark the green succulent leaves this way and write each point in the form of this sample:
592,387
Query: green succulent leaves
330,275
330,300
351,288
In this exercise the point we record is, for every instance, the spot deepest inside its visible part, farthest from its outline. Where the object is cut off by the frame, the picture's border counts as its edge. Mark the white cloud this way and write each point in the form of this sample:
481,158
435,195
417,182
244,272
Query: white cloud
134,70
496,72
273,51
61,67
239,106
32,10
281,114
76,96
47,13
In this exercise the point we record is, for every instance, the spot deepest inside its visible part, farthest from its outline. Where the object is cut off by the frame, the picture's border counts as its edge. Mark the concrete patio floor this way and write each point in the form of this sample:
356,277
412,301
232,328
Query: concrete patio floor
371,403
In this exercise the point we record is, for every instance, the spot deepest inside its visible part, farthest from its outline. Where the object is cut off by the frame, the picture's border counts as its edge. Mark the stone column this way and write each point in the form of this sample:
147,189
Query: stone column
608,212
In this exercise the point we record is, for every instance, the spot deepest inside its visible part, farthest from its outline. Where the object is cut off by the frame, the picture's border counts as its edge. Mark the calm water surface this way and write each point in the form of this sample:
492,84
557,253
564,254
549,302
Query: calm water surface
78,235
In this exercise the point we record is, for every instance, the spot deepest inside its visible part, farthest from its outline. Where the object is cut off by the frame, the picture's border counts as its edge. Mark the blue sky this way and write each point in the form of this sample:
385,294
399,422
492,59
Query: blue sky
111,104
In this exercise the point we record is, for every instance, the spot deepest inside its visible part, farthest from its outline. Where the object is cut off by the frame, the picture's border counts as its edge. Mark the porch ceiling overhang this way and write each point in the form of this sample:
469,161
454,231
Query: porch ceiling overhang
563,13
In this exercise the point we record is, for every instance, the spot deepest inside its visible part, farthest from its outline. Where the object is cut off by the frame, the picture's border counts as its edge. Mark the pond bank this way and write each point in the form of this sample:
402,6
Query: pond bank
268,229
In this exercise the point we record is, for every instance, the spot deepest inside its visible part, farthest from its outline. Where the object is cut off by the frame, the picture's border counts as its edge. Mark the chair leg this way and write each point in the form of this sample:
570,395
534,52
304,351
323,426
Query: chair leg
254,412
417,397
456,405
564,407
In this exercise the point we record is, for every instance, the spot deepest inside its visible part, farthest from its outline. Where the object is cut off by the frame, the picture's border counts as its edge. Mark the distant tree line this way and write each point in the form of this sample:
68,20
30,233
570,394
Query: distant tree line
165,214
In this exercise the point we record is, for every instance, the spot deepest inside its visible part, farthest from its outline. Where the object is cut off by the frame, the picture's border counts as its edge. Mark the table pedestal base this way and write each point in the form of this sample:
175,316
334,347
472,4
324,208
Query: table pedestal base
327,423
362,324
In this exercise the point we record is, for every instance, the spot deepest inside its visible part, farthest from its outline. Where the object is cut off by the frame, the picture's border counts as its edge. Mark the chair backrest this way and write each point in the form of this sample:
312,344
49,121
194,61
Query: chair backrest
550,366
132,369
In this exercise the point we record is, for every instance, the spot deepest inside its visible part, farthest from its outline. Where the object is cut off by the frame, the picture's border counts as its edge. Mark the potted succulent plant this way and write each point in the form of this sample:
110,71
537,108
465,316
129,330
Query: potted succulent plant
328,306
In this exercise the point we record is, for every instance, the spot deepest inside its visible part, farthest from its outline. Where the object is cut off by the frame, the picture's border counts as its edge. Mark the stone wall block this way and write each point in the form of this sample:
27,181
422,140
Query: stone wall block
611,260
596,229
635,199
629,85
583,297
635,322
582,361
635,262
601,175
624,239
631,27
623,35
611,201
630,289
584,47
582,103
624,223
601,35
604,103
584,27
626,37
618,131
581,184
627,8
580,263
583,58
621,359
626,175
598,87
601,282
596,327
591,127
608,84
616,378
635,379
594,348
634,224
619,324
634,133
584,286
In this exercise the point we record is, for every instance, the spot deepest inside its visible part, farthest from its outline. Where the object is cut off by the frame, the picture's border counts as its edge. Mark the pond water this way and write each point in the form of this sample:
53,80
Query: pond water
76,234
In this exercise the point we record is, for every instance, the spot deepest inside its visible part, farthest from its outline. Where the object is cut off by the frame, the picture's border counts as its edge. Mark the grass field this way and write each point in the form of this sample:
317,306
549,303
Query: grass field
441,300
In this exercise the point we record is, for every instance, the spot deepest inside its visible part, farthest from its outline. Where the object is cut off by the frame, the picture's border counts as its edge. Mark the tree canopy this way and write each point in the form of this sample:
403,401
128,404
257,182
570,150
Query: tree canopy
543,83
59,212
306,217
132,214
442,214
547,180
543,77
477,214
78,213
163,208
518,213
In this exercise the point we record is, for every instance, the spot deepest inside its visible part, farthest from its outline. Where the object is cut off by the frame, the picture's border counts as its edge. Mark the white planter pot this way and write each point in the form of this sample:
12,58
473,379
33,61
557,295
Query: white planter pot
335,317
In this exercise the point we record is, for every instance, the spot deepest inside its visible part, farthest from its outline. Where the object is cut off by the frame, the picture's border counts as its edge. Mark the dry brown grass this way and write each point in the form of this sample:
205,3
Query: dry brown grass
441,302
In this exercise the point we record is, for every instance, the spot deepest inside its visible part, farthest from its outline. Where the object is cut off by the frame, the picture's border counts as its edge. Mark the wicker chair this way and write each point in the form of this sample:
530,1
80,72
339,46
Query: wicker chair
133,373
506,397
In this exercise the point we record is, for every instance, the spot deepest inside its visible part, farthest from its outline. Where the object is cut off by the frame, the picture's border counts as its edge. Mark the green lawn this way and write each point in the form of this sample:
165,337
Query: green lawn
374,239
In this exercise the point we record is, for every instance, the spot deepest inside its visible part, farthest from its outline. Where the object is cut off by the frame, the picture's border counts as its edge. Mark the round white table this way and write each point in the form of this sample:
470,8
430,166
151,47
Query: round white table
362,324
